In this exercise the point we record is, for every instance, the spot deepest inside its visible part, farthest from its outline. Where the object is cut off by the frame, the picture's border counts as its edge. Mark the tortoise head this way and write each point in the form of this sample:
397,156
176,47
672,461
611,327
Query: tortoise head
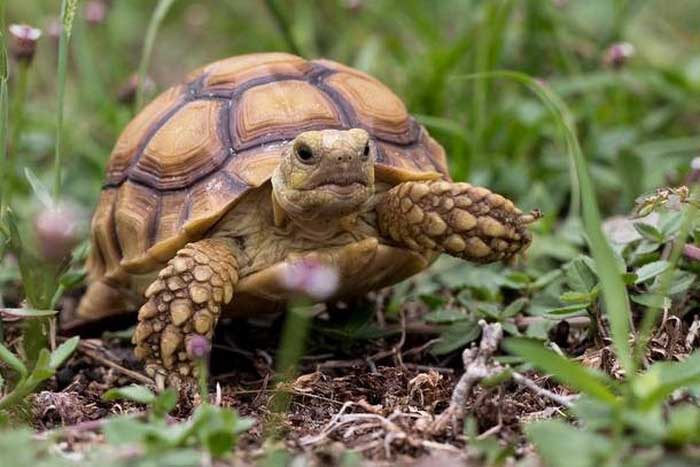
325,173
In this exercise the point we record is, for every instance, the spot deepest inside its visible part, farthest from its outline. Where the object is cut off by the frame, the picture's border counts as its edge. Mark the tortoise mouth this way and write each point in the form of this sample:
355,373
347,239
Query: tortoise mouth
340,182
343,191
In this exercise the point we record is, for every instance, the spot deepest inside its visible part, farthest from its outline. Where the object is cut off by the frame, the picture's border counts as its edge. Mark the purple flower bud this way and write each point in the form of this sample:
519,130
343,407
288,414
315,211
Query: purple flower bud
198,347
58,230
95,12
618,54
23,39
311,278
692,252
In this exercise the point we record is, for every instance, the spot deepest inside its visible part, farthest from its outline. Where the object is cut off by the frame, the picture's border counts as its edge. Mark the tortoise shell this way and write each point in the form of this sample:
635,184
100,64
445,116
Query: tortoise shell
186,158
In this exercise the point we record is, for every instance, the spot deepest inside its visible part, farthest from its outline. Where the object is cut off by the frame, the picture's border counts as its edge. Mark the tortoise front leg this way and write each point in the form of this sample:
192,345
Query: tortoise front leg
184,302
456,218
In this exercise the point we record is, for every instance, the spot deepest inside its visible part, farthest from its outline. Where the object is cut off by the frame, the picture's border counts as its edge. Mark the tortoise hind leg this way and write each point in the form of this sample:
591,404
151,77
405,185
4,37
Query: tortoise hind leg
456,218
103,299
184,302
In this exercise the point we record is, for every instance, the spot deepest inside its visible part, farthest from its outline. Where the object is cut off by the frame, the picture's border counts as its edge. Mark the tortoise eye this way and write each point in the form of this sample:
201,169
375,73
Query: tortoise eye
365,153
304,154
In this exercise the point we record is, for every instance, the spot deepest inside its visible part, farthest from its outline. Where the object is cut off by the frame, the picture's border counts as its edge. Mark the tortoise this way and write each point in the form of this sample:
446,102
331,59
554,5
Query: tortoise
258,162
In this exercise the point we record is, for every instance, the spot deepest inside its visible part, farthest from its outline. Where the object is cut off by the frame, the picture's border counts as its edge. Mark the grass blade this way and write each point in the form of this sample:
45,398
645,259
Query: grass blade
68,9
4,175
613,288
159,14
566,371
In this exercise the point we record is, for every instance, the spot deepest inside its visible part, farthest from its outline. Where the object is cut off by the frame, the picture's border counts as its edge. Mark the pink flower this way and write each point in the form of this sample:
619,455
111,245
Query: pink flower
618,54
692,252
310,278
95,12
198,347
23,39
58,230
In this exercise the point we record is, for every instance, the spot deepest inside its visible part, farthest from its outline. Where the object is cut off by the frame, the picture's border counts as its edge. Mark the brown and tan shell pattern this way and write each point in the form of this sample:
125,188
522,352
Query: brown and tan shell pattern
186,158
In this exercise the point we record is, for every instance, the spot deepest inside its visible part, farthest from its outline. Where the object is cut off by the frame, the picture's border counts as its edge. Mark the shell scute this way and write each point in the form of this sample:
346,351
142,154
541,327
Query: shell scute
282,108
187,147
233,71
138,129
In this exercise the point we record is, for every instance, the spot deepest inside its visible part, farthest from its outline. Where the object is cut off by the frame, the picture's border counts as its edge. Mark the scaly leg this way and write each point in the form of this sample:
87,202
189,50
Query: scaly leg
456,218
183,302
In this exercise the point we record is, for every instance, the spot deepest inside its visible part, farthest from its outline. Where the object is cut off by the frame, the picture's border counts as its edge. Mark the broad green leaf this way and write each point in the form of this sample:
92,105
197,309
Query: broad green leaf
662,378
63,351
546,279
457,335
14,362
514,307
651,270
164,403
568,309
576,297
651,300
649,232
140,394
433,301
579,275
126,430
670,224
564,370
560,444
445,315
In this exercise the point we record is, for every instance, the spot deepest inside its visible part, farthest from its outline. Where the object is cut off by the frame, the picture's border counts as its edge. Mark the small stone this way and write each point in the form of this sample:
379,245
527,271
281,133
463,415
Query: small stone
455,243
180,311
154,288
203,322
448,203
202,273
175,283
157,326
406,204
415,215
418,191
184,370
182,356
404,188
166,297
462,220
435,225
199,293
216,280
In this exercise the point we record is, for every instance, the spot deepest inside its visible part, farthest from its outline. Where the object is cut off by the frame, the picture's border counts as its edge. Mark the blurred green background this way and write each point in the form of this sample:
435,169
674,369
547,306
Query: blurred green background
636,112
